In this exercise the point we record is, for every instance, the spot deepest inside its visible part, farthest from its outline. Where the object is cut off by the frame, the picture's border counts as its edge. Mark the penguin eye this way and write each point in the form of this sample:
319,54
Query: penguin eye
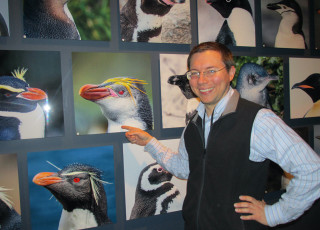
160,169
121,92
252,79
76,180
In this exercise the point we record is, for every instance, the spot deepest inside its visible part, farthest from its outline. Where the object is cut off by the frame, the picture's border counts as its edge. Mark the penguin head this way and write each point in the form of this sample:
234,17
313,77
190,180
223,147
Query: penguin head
75,186
183,83
16,95
286,6
251,76
225,7
158,7
120,98
153,176
311,85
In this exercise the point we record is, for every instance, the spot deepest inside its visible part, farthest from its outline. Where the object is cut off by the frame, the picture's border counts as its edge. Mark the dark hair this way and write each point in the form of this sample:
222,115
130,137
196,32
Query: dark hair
214,46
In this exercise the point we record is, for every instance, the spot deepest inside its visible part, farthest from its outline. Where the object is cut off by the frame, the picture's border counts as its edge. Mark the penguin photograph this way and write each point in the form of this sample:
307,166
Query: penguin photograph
227,22
260,79
69,190
10,212
155,21
111,90
304,87
149,189
4,18
30,95
285,24
178,102
67,19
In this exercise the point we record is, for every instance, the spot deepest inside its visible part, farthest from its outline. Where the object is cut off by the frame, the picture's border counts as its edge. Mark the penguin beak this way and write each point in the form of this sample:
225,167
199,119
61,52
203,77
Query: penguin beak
34,94
95,92
171,2
46,178
273,6
301,86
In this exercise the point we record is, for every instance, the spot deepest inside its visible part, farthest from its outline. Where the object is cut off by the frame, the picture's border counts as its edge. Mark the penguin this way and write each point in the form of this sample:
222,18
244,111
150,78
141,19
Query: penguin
48,19
141,21
79,189
9,218
252,82
155,194
21,116
238,28
311,85
290,34
123,101
3,27
193,101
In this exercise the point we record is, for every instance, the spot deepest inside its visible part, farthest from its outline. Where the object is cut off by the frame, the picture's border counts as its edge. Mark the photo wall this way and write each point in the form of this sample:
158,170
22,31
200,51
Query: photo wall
71,74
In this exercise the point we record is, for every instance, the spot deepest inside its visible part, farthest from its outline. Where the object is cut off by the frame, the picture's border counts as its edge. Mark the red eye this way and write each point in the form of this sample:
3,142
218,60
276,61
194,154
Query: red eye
121,92
160,169
76,179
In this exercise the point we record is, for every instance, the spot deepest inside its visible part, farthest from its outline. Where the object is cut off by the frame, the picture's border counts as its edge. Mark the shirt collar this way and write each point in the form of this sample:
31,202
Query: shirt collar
220,107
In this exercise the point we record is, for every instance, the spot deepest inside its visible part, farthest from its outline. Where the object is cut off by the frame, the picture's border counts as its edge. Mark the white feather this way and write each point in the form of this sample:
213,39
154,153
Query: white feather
77,219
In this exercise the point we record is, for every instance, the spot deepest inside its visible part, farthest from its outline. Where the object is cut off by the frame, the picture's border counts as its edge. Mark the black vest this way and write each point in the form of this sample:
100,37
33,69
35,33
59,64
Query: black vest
222,172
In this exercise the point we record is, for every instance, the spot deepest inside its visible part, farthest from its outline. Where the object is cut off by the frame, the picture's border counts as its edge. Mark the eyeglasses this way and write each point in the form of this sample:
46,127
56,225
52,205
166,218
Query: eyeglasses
193,74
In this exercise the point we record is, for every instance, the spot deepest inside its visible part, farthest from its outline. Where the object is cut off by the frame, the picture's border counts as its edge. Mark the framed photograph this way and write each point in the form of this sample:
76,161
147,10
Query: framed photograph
9,192
110,90
72,182
30,95
227,22
84,20
154,21
4,19
304,86
285,24
149,189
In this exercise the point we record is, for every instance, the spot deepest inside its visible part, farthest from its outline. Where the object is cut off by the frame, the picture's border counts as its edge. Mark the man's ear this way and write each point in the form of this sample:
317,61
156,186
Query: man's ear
232,72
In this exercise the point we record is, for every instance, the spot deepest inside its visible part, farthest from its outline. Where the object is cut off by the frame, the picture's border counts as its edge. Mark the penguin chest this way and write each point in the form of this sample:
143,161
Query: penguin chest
77,219
242,25
314,111
286,38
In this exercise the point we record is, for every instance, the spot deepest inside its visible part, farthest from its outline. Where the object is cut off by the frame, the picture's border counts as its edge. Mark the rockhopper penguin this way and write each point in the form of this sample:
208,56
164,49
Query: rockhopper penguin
123,101
49,19
155,194
21,117
311,85
79,188
252,83
238,28
9,218
141,20
290,34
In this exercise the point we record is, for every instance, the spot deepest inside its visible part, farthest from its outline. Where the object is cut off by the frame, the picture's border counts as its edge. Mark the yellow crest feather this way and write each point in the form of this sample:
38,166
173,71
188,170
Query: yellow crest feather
17,73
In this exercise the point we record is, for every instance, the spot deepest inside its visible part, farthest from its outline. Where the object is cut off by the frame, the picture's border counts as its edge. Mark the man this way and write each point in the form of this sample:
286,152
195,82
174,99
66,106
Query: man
225,149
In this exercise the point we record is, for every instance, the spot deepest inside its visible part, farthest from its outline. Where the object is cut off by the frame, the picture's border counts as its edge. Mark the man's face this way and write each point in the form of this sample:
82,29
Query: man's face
210,89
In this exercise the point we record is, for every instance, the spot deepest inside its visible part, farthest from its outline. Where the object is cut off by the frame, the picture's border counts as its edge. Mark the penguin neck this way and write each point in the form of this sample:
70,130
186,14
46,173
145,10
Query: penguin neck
289,19
115,126
32,124
77,219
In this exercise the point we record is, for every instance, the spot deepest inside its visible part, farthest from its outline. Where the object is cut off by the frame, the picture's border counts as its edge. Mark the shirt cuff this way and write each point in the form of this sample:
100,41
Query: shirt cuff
274,214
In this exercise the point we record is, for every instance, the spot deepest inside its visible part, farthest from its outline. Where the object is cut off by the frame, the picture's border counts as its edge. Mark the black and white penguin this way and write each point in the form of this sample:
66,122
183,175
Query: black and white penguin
9,218
3,27
49,19
79,188
155,194
252,82
238,28
311,85
290,34
141,21
21,116
193,101
123,101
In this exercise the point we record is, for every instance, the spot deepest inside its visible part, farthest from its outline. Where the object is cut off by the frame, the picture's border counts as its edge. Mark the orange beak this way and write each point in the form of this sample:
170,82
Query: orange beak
46,178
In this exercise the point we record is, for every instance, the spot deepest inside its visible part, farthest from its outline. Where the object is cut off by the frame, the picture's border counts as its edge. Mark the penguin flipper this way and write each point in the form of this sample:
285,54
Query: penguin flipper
225,35
3,27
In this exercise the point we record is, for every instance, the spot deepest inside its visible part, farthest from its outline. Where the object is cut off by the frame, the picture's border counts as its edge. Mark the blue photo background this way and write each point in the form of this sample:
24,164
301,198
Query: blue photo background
45,209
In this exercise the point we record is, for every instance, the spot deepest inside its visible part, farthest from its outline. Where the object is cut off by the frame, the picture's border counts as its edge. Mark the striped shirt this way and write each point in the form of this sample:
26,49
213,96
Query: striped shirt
271,139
